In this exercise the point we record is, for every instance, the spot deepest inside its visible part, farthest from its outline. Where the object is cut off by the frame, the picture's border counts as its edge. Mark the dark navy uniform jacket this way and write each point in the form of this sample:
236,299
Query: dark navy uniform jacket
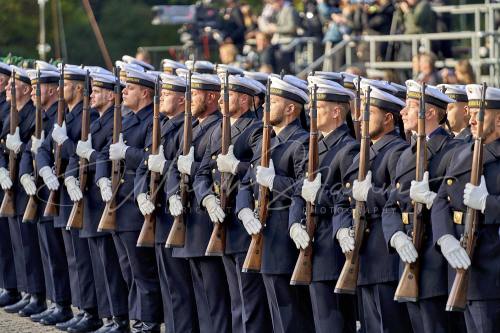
134,130
198,224
245,134
465,135
336,152
377,264
93,206
45,156
26,118
398,209
289,155
448,216
26,167
171,134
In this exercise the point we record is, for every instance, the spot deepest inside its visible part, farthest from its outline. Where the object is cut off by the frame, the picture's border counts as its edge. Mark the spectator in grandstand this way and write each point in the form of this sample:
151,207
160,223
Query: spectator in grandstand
265,51
143,55
232,24
427,69
250,20
418,17
228,53
266,17
464,72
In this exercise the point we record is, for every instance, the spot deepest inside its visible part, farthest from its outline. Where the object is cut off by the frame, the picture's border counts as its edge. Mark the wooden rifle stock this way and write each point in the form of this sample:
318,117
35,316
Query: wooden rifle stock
177,235
457,299
75,220
348,279
407,289
108,217
302,273
52,206
147,234
8,207
253,259
217,242
32,205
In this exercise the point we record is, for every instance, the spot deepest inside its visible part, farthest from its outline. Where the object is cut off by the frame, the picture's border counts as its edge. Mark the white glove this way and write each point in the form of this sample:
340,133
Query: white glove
5,181
299,235
346,239
310,189
475,196
145,205
73,187
212,204
28,183
184,162
36,143
250,222
229,162
404,245
265,176
420,192
453,252
59,134
360,189
117,150
49,178
175,205
106,191
84,148
156,163
13,142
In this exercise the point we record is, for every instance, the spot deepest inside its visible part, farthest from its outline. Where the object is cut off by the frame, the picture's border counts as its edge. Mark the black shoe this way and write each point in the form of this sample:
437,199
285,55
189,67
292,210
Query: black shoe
137,327
61,314
36,305
108,323
16,307
148,327
120,325
63,326
39,316
89,323
9,297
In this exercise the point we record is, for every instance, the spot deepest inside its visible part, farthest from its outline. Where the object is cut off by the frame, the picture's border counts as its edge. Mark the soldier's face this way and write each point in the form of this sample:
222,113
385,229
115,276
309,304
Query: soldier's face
491,127
277,108
99,97
409,114
22,89
131,96
198,102
324,110
376,123
457,115
46,92
234,102
171,102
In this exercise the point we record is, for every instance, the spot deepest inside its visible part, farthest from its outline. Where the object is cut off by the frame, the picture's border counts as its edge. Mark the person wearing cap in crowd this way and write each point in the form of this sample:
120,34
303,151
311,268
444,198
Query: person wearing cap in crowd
259,98
378,268
110,285
401,90
54,259
144,296
122,68
248,297
336,152
331,76
221,69
290,306
170,66
209,278
455,196
458,112
179,306
200,66
83,292
428,313
134,61
24,236
9,293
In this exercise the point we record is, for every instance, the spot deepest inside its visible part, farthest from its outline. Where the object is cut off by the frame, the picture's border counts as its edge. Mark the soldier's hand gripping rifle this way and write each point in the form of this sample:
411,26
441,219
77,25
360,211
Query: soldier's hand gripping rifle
108,218
302,273
458,294
32,205
407,289
253,259
52,207
147,235
75,220
8,207
348,279
177,234
217,242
